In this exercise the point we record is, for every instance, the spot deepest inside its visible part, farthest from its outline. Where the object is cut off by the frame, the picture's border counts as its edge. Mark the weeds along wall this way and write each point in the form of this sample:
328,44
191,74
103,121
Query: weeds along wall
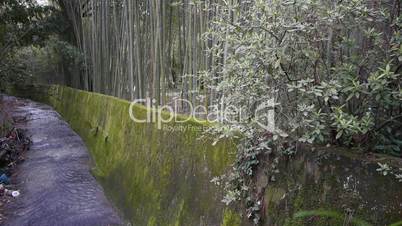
155,177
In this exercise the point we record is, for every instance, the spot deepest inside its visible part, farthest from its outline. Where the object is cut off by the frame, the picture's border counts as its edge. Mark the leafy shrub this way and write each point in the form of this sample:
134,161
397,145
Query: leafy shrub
333,69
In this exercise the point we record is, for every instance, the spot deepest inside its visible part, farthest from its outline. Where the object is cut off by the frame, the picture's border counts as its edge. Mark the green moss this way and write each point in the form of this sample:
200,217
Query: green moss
230,218
274,195
152,222
162,177
179,218
154,176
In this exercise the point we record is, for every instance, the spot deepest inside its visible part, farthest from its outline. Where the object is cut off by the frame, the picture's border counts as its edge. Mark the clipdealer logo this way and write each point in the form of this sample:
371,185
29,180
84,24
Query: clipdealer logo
263,114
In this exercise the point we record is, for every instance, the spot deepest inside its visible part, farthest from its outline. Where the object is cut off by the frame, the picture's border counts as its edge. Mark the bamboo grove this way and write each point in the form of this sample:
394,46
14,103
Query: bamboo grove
143,48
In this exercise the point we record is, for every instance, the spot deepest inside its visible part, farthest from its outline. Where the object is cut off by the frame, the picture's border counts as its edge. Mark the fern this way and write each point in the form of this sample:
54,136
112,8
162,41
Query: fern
399,223
331,214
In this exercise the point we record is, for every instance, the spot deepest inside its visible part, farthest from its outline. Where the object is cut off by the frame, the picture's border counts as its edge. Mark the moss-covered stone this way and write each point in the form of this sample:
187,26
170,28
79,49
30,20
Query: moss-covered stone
154,176
335,181
162,177
231,218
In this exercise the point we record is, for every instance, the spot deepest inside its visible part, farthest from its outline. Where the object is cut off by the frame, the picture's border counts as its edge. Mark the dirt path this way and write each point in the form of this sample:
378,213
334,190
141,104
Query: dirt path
55,182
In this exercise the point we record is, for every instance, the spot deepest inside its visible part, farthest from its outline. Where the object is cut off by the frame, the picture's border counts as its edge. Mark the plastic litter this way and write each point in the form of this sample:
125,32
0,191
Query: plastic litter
12,193
8,192
4,179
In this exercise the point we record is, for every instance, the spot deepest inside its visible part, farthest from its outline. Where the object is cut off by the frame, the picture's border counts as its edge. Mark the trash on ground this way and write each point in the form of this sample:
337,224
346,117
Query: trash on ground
13,144
12,193
4,179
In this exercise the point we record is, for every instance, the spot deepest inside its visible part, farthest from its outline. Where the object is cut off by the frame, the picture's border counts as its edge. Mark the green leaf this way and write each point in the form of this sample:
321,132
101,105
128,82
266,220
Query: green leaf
399,223
339,135
330,214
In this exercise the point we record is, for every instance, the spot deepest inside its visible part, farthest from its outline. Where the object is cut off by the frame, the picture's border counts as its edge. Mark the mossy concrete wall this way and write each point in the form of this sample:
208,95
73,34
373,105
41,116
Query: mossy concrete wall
336,180
154,176
162,177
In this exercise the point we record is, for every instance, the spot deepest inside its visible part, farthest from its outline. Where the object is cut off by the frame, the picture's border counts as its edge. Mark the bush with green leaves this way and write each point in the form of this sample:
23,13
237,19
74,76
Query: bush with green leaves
332,67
